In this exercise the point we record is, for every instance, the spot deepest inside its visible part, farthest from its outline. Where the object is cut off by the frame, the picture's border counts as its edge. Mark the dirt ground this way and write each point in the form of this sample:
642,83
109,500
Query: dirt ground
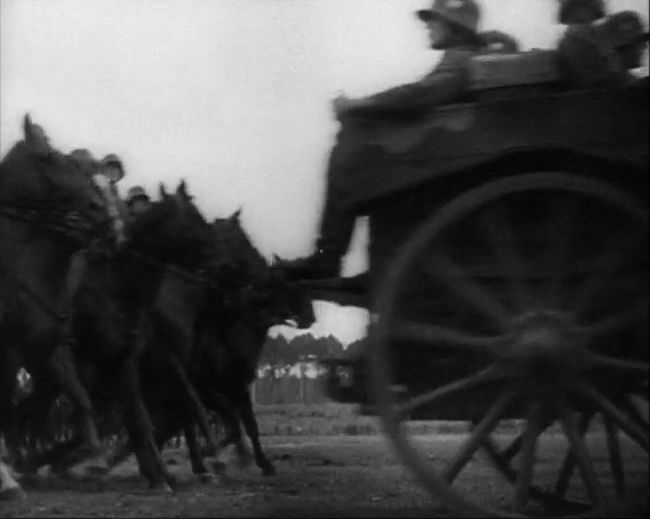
317,476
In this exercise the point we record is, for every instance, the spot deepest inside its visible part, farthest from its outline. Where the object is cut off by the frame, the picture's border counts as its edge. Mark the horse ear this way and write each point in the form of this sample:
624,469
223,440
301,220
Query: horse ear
276,259
182,190
162,191
27,124
234,217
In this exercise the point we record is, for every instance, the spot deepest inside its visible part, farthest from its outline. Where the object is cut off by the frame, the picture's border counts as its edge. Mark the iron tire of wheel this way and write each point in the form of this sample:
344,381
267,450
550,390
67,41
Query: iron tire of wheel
530,333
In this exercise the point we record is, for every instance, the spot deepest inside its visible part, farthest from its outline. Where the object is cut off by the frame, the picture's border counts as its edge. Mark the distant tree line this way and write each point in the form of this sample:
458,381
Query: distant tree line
289,369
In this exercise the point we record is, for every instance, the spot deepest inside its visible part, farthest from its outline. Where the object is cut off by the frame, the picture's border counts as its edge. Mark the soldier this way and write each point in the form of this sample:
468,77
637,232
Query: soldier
497,42
137,201
112,168
580,12
602,55
112,171
453,28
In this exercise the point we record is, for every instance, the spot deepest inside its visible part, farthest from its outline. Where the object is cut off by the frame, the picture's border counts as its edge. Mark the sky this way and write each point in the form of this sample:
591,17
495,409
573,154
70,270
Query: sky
234,96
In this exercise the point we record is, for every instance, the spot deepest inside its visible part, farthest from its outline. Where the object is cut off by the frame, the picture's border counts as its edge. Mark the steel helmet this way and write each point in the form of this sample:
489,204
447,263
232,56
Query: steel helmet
624,28
136,192
498,42
81,155
113,160
566,5
84,159
464,13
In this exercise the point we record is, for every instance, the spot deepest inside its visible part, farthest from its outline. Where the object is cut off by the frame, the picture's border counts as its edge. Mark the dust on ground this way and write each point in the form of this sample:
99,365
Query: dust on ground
316,476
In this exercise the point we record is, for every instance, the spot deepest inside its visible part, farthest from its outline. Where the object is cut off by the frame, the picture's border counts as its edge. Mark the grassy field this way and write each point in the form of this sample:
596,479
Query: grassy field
333,419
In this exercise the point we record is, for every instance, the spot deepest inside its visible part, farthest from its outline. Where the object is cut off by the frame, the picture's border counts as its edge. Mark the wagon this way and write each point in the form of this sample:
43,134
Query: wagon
507,289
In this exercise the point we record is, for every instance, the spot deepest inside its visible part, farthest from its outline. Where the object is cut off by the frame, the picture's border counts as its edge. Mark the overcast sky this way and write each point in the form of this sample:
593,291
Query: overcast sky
232,95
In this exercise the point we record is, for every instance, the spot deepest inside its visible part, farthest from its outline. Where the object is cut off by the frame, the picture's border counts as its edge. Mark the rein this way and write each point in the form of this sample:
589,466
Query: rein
69,221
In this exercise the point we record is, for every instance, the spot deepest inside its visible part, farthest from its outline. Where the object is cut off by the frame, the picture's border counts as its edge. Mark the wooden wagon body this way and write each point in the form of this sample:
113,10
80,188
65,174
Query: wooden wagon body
508,235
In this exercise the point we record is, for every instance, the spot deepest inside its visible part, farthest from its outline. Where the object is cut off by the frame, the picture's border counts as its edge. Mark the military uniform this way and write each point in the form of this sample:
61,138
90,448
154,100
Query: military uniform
447,83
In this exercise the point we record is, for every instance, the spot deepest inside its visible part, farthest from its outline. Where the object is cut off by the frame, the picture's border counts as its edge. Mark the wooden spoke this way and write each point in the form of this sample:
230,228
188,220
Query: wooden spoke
438,335
513,449
461,284
579,449
617,322
502,241
492,373
615,461
609,410
559,233
498,459
527,460
478,436
568,464
632,409
597,282
604,361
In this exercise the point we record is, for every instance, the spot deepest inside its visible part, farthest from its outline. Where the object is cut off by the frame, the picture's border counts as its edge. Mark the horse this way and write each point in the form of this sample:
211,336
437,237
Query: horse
234,331
114,311
249,298
50,212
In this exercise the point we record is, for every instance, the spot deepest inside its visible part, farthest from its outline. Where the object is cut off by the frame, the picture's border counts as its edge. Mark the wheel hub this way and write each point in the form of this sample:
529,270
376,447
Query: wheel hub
545,341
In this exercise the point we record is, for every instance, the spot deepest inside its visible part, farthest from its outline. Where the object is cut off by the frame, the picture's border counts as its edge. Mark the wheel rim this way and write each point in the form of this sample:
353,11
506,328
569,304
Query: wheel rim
548,344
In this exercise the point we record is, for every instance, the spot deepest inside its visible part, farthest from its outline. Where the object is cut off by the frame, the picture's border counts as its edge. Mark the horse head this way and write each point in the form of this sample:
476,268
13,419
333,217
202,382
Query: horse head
173,230
278,301
33,175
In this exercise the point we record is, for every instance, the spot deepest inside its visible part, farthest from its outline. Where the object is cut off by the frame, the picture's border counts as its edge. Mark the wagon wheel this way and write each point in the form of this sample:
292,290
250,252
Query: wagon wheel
549,272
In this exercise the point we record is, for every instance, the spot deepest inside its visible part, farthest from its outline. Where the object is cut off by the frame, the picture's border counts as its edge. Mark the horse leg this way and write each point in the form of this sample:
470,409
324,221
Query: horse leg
140,429
9,487
63,367
122,449
196,406
13,436
252,430
196,459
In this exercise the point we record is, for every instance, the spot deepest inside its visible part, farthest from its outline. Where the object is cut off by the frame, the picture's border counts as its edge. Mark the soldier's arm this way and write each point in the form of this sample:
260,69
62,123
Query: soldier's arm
439,87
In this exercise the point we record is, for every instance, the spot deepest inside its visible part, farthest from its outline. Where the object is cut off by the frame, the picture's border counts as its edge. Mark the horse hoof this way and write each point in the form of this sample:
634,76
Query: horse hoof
12,494
162,488
207,478
219,467
269,470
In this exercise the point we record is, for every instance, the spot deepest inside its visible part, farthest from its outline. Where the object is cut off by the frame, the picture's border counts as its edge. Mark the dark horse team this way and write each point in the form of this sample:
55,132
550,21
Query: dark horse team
100,305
